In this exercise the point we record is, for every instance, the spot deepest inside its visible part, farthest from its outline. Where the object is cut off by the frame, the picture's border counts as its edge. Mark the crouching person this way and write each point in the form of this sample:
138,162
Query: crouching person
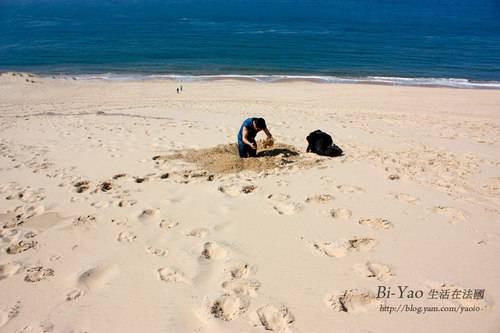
247,146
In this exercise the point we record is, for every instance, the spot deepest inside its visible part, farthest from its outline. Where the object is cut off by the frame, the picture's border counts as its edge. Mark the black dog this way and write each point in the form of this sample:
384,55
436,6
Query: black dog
322,144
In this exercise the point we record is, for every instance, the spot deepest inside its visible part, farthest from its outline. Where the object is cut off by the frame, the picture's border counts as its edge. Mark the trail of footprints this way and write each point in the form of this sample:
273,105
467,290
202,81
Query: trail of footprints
352,300
342,247
238,290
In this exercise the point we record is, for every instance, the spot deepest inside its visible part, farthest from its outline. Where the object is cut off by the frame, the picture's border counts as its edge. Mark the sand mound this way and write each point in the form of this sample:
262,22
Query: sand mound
225,158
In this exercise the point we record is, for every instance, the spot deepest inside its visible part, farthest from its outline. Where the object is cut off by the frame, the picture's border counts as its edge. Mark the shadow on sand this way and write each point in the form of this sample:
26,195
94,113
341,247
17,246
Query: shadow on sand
276,152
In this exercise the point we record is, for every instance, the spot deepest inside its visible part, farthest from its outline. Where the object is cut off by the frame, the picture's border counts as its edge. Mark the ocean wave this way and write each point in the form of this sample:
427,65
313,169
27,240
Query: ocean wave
386,80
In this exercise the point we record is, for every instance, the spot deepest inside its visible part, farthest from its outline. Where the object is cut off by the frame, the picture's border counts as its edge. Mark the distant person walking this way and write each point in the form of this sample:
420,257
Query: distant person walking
181,87
247,146
177,90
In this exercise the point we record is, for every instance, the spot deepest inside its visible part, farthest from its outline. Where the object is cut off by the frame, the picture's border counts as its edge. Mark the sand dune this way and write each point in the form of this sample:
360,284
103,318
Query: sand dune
124,208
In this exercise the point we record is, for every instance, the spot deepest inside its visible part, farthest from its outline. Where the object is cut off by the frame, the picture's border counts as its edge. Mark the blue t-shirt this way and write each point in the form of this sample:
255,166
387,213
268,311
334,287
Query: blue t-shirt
248,123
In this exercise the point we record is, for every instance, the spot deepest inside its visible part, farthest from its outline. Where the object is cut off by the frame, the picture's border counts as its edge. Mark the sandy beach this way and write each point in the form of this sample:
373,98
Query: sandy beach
123,208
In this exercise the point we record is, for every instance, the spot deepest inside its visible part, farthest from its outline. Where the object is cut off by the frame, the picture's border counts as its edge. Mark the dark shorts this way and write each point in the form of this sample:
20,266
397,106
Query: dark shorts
246,150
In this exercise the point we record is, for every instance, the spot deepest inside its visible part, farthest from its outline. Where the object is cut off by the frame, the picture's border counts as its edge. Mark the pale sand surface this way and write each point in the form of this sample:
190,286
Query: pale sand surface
97,236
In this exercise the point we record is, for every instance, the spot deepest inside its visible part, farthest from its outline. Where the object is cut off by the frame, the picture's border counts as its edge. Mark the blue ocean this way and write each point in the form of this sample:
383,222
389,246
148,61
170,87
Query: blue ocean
443,42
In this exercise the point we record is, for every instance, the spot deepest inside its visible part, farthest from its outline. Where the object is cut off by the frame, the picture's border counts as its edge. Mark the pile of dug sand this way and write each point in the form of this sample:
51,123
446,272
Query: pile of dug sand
225,159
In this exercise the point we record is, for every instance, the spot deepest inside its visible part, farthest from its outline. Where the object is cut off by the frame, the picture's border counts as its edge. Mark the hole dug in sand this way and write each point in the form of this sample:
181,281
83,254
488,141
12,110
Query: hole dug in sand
224,159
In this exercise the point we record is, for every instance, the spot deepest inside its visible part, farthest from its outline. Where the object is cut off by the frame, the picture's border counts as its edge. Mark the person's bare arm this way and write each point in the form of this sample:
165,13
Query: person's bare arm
269,135
245,140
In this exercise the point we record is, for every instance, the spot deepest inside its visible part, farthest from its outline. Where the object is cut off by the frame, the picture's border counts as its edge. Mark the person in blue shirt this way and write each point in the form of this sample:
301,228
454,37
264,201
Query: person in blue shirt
247,146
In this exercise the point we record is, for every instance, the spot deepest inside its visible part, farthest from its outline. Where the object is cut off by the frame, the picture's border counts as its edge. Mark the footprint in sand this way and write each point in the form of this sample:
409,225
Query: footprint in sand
149,213
231,190
492,186
283,206
165,175
6,234
242,287
213,251
156,251
38,273
374,270
192,175
11,222
287,208
140,180
350,189
55,257
452,214
126,203
276,318
248,189
166,224
34,210
197,232
228,307
74,294
279,197
126,236
7,314
84,220
169,274
27,195
376,224
9,269
341,248
352,301
120,221
240,271
393,176
340,213
406,198
82,186
321,198
119,175
96,277
21,246
30,234
105,186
